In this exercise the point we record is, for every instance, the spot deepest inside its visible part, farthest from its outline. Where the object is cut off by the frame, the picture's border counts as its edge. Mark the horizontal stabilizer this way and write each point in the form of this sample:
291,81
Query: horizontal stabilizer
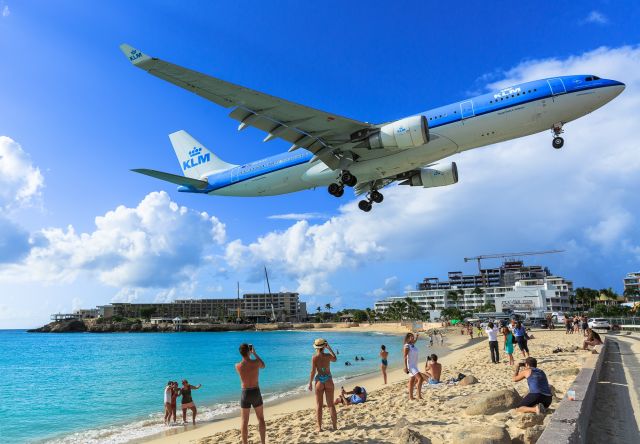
174,178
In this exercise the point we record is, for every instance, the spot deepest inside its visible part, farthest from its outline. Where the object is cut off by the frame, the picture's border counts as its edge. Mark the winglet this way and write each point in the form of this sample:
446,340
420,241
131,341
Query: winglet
134,55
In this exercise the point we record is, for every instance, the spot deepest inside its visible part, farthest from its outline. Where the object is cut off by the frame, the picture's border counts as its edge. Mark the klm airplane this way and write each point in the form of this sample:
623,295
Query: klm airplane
334,151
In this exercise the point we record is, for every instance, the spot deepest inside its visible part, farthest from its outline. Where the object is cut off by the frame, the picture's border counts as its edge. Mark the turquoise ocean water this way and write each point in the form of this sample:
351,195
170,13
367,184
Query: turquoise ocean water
109,387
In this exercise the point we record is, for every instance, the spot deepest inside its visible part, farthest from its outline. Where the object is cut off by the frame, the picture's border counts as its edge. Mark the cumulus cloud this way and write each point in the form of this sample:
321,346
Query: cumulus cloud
5,11
20,181
519,194
156,244
391,285
596,17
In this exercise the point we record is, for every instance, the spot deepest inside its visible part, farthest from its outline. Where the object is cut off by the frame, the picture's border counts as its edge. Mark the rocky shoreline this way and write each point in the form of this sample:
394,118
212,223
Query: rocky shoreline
138,326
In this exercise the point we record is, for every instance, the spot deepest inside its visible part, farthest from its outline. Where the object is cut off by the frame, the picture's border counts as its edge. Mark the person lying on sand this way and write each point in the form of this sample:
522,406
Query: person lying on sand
433,369
539,397
356,396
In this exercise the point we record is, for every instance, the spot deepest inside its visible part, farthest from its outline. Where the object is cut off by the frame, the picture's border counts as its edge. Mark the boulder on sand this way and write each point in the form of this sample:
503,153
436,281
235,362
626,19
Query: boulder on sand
476,434
468,380
493,402
564,372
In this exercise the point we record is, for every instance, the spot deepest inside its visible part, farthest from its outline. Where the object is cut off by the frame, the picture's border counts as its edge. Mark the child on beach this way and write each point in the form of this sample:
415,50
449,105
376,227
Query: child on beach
321,373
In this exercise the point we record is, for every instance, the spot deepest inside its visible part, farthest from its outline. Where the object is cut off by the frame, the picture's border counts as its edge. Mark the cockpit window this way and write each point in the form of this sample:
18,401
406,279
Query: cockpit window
588,79
596,78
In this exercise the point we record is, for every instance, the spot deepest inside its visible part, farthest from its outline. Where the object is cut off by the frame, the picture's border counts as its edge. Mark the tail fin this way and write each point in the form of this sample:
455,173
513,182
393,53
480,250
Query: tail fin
195,160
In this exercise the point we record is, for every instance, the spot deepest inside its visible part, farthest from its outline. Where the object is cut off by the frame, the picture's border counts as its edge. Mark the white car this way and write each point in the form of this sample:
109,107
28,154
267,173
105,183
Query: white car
599,323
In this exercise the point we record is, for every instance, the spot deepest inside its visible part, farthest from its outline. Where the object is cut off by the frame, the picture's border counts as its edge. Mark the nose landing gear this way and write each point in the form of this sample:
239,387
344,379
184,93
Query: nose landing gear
346,178
374,196
558,142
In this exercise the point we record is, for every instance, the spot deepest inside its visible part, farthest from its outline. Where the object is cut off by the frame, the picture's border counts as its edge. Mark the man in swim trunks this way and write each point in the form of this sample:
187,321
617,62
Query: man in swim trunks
248,369
433,369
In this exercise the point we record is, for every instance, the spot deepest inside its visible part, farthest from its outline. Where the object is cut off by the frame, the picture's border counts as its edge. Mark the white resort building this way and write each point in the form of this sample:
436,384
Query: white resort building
511,287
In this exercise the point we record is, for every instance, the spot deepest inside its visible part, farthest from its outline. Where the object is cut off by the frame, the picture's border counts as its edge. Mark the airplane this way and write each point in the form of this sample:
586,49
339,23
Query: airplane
338,152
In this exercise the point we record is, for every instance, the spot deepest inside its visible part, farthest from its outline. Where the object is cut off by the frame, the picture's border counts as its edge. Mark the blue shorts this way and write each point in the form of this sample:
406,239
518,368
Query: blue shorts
355,399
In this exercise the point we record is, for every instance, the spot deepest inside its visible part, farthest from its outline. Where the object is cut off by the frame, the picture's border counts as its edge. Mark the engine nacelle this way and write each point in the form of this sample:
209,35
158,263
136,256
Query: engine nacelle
405,133
434,176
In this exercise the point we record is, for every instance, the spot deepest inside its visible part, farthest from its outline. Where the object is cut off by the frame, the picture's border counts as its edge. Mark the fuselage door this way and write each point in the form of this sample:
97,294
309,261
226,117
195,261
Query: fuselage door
557,86
466,109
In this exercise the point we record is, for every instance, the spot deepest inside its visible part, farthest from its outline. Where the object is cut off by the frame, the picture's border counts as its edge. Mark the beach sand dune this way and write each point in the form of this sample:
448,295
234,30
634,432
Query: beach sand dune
440,417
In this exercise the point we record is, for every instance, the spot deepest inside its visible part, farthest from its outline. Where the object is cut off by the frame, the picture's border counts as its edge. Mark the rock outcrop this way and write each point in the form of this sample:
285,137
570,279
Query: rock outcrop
474,434
493,402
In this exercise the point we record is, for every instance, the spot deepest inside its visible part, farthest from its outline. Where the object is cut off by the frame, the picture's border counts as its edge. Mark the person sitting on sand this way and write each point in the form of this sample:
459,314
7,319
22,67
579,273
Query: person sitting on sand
539,397
321,373
384,355
168,390
433,369
249,371
592,340
187,401
410,354
356,396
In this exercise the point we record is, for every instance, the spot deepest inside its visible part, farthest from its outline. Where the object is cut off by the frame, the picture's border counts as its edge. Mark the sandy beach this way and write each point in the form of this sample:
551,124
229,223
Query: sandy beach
439,417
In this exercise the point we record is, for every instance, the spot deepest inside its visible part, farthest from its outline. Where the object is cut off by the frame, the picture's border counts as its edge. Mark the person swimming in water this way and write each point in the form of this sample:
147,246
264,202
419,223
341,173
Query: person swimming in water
384,355
321,373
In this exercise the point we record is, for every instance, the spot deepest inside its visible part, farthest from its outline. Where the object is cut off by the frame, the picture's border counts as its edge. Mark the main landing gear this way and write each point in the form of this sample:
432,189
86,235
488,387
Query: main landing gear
346,178
374,196
558,142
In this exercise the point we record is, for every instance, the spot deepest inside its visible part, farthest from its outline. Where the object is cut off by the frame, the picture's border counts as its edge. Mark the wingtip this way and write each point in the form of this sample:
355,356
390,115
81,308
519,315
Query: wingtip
134,55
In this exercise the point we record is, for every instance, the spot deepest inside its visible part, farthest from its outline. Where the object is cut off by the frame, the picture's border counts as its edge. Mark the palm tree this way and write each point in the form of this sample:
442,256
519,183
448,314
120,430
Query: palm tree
328,307
318,309
478,292
370,314
453,295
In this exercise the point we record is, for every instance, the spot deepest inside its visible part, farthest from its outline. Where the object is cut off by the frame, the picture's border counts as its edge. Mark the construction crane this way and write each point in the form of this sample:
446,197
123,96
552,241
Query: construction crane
478,259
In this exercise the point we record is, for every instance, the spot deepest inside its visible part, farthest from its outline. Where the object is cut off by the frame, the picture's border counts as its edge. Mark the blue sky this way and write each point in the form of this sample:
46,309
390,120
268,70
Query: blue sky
83,117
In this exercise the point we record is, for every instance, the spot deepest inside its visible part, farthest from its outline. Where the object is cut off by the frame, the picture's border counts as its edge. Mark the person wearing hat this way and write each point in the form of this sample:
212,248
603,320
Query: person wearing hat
321,374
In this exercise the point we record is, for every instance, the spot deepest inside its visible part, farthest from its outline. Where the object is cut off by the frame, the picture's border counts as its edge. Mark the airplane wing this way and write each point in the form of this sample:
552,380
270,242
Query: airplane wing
326,135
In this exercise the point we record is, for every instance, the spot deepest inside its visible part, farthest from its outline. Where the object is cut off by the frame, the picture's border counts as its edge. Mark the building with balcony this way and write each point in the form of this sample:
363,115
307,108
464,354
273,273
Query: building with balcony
632,286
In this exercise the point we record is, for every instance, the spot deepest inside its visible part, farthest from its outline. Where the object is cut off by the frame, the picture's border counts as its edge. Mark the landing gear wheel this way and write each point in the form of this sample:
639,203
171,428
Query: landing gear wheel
377,196
558,142
364,205
333,189
340,192
348,179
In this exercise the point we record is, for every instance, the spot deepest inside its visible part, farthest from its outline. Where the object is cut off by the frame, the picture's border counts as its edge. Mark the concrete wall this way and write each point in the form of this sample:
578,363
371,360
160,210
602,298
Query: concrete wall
570,421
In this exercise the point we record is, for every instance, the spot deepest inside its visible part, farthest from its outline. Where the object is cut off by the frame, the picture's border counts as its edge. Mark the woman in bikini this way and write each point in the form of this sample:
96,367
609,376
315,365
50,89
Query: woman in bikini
508,344
321,374
384,355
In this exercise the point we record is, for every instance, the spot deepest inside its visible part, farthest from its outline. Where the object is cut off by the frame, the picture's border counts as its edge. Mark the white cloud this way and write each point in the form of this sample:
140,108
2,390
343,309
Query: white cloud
597,18
298,216
156,244
5,11
391,285
519,194
20,181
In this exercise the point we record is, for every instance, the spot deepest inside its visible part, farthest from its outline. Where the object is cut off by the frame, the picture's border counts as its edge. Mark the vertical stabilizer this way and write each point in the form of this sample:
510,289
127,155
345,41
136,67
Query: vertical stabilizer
195,160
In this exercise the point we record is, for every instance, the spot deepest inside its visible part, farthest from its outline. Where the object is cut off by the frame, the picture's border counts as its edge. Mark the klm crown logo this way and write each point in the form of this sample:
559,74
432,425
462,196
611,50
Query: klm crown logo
134,55
401,130
195,158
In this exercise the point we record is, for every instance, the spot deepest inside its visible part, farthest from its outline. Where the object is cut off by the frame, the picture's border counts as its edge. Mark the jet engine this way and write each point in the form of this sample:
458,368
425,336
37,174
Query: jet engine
409,132
434,176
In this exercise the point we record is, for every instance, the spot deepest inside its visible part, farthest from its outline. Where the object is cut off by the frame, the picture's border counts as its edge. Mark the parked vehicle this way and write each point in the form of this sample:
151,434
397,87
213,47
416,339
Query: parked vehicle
599,323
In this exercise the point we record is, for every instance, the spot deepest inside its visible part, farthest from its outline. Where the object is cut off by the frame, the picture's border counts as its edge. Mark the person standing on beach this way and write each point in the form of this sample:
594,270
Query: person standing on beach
410,352
492,334
187,401
508,344
168,391
248,369
321,374
521,338
175,392
384,355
